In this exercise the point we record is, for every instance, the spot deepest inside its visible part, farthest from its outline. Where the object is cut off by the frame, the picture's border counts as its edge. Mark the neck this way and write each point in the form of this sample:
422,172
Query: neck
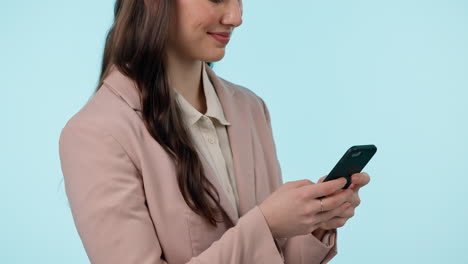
185,77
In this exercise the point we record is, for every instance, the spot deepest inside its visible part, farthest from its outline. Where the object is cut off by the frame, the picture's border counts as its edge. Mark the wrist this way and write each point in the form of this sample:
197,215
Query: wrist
265,213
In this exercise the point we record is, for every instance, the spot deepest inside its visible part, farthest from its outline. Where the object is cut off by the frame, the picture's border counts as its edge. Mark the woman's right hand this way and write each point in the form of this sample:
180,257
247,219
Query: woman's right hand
294,208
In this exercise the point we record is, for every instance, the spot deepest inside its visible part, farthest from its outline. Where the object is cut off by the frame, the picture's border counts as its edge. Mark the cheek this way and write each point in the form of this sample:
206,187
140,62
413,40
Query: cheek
189,33
196,18
199,25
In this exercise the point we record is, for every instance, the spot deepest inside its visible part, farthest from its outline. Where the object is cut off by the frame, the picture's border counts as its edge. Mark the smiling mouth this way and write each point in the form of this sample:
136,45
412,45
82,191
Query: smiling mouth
224,34
220,37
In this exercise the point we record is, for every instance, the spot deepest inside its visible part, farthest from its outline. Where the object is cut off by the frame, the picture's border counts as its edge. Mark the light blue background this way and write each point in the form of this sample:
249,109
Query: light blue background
333,74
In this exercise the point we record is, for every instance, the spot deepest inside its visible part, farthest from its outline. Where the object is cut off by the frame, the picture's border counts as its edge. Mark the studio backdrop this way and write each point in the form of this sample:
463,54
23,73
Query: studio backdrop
333,74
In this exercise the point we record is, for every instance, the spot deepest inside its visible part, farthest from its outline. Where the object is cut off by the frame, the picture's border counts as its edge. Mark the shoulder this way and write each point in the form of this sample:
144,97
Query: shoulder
246,95
103,115
241,89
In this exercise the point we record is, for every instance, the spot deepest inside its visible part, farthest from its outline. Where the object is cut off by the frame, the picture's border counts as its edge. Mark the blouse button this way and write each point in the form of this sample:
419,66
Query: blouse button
211,140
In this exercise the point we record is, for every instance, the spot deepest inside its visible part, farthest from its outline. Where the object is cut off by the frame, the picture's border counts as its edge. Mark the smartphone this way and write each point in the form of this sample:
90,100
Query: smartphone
353,161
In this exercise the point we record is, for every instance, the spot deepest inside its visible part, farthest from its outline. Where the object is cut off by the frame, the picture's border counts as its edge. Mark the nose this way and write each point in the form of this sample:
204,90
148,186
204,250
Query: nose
233,14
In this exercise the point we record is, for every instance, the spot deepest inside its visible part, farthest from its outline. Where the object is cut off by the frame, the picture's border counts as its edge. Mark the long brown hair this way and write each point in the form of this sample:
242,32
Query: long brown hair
135,44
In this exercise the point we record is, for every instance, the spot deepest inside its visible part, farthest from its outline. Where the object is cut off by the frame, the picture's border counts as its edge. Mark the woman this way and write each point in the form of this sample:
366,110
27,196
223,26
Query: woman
169,163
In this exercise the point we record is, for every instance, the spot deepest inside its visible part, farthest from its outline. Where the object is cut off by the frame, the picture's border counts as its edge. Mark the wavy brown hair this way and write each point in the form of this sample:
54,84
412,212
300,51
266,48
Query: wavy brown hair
135,44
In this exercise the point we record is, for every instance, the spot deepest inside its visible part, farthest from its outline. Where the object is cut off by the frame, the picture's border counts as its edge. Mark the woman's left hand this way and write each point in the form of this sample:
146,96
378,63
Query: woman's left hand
358,180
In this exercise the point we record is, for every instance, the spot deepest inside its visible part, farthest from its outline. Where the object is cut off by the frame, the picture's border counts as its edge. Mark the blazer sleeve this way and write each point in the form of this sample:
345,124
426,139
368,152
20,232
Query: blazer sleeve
107,201
303,249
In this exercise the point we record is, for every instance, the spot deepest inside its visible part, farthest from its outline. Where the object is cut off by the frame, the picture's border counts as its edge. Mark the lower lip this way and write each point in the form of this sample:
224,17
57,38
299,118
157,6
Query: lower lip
222,39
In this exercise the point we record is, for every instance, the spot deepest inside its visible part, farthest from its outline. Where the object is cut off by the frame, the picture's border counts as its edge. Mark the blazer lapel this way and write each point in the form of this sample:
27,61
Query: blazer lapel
239,134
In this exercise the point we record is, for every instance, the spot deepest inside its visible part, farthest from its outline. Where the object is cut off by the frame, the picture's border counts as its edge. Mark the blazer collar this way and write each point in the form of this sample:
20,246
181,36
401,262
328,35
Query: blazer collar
239,134
126,88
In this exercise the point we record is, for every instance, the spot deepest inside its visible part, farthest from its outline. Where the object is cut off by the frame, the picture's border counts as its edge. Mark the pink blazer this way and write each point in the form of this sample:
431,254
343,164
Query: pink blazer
125,200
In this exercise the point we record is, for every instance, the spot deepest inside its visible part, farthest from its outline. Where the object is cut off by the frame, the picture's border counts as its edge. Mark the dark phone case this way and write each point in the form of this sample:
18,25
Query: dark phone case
350,163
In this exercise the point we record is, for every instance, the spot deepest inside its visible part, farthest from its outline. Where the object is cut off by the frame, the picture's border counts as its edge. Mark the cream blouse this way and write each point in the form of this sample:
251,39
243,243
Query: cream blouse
210,136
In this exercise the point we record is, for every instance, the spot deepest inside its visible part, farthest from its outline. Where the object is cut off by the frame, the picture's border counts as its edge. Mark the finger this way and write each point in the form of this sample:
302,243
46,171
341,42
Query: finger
340,190
335,222
326,216
299,183
325,188
335,201
360,179
321,179
355,201
348,213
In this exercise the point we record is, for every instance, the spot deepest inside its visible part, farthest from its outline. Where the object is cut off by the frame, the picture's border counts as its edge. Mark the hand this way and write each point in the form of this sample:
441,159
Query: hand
358,180
294,208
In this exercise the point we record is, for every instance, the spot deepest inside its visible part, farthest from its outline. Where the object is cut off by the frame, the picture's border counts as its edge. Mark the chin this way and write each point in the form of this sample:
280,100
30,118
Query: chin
215,56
